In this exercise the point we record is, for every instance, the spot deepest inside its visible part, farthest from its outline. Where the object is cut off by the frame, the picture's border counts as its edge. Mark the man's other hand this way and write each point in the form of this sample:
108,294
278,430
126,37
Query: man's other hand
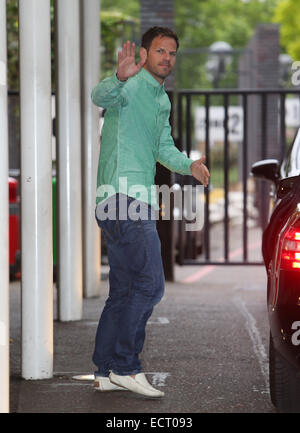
200,171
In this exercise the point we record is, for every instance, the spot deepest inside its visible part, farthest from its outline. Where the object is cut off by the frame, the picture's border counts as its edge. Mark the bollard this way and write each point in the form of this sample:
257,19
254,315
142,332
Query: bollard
4,266
68,139
90,45
36,193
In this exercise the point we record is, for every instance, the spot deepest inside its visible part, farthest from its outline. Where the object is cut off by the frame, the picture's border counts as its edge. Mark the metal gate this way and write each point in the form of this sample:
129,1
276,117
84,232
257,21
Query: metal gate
265,127
265,133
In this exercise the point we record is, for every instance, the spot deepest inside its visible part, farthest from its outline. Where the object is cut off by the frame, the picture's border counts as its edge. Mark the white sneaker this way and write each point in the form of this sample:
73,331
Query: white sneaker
104,384
138,384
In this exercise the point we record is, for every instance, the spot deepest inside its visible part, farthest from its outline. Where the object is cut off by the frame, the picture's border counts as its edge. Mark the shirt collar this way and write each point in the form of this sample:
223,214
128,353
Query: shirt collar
148,77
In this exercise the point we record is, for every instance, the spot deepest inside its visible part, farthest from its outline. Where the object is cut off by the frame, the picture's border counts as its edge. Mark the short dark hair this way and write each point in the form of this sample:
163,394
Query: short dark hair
153,32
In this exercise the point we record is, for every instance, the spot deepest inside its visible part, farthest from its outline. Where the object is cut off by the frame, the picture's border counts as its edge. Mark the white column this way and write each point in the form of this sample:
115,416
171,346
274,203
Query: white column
4,273
90,61
68,159
36,189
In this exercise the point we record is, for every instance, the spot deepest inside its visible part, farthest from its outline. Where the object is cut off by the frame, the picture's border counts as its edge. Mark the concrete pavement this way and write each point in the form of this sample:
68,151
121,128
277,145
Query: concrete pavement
198,349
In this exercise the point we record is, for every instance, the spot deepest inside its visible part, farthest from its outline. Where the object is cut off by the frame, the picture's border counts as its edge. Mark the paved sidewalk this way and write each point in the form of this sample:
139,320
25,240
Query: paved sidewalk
71,388
180,355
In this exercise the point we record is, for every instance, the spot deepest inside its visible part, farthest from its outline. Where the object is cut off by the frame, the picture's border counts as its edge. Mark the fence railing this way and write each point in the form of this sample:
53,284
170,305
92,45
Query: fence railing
268,119
265,129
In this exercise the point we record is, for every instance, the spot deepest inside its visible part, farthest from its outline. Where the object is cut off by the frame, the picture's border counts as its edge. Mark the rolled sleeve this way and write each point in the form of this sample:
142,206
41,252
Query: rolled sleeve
169,156
109,92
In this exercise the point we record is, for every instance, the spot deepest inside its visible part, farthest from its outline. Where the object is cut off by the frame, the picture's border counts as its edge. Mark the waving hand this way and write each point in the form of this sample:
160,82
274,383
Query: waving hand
127,66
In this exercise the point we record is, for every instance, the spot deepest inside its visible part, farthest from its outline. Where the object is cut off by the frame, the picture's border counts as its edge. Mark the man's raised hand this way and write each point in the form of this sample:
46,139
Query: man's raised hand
126,61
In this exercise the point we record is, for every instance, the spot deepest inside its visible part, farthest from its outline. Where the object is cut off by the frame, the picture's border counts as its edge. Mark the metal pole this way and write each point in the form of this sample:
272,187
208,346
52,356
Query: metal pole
68,159
90,46
226,178
36,189
4,274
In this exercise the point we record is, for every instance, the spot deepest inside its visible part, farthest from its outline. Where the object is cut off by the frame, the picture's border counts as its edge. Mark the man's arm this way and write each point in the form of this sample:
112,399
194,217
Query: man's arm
170,157
109,93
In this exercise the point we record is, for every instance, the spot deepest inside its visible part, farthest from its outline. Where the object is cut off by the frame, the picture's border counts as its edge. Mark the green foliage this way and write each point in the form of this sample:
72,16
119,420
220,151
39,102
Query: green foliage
12,43
116,27
128,7
287,14
199,23
12,13
119,21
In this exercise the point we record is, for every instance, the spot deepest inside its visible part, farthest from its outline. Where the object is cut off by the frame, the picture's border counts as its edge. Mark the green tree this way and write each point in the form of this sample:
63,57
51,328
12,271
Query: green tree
128,7
116,27
12,12
199,23
287,14
119,21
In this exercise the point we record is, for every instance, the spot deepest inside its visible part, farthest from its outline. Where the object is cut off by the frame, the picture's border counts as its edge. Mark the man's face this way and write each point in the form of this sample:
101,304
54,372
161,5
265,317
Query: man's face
161,57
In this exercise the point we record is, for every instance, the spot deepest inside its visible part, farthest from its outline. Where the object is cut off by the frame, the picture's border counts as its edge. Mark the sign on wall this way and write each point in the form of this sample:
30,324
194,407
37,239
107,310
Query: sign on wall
216,123
235,122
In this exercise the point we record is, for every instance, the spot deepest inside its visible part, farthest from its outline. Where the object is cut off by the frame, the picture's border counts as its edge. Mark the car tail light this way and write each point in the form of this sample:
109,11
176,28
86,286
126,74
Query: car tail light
290,253
13,190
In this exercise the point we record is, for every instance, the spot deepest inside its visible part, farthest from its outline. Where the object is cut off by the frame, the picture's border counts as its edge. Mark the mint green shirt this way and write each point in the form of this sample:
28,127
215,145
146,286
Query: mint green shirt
136,134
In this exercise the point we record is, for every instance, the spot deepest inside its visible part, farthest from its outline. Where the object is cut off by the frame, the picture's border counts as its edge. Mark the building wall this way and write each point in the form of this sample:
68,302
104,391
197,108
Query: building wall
261,62
158,13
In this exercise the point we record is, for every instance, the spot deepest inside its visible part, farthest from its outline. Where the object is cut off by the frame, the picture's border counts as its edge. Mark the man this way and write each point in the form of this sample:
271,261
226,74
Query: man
135,135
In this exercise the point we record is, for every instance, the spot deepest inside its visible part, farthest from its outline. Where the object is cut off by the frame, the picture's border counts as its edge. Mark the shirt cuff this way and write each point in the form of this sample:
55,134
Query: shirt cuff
187,166
117,81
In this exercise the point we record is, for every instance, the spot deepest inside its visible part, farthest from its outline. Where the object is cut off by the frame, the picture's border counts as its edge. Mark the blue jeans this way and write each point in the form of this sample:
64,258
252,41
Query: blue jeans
136,285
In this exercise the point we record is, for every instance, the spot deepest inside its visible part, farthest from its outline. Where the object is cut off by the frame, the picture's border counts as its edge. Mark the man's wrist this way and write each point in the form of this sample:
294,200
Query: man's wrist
120,78
190,163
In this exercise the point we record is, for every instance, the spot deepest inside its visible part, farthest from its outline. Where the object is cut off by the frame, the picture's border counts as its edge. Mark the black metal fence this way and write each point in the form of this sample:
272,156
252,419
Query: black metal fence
266,131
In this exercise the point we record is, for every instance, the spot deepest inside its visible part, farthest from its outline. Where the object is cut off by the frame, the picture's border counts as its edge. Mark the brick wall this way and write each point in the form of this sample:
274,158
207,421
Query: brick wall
261,62
158,13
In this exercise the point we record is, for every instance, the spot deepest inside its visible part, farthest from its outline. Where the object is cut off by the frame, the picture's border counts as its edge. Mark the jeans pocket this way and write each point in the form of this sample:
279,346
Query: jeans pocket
110,229
130,231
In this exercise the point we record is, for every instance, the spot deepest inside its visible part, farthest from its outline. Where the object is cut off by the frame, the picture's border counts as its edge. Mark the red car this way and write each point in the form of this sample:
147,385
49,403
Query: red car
14,228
